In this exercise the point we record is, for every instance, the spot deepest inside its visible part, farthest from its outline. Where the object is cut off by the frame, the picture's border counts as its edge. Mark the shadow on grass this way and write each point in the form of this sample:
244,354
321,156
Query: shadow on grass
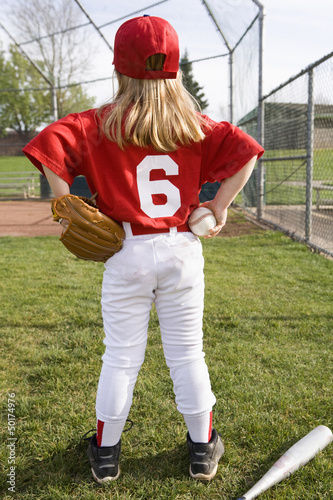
66,469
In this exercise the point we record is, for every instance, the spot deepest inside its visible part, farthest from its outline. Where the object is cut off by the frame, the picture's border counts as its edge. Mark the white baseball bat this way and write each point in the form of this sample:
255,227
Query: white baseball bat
297,456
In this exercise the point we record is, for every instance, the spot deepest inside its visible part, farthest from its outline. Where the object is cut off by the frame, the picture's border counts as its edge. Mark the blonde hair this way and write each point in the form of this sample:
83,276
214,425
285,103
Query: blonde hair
158,113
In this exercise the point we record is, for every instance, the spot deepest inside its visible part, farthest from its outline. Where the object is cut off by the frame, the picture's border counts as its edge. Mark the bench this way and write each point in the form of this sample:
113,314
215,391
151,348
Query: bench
319,188
18,183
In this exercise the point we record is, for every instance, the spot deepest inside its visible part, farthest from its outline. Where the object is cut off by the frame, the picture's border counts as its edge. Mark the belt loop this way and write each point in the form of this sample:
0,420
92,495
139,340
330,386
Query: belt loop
173,230
128,230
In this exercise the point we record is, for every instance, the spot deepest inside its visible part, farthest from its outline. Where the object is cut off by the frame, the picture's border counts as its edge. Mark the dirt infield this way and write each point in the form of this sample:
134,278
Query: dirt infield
27,218
33,218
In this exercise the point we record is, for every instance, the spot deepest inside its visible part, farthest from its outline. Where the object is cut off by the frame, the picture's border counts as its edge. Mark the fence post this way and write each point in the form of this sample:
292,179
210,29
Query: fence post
54,103
231,86
260,123
309,162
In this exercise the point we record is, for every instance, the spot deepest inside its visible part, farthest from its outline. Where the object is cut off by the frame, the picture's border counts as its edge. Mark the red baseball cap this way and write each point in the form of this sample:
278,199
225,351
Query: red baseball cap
140,38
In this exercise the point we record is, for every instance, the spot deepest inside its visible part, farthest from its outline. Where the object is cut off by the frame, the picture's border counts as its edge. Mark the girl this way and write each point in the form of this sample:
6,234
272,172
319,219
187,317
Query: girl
147,155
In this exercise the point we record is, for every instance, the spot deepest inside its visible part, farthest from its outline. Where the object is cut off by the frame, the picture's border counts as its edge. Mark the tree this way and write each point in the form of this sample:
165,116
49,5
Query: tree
73,98
56,48
190,84
24,109
49,24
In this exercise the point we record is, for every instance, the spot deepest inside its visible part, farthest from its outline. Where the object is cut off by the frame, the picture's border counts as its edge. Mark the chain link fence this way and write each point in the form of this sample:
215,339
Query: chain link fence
221,39
292,187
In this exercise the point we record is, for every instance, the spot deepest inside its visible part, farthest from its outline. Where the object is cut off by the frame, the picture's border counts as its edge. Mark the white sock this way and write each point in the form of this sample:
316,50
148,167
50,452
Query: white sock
199,426
109,433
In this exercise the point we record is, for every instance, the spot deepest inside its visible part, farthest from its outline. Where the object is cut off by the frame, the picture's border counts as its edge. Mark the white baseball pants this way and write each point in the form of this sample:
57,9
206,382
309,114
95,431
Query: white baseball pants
165,269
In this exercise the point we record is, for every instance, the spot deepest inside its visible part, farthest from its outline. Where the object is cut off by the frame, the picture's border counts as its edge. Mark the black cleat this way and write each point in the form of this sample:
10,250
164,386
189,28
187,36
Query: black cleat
205,457
104,461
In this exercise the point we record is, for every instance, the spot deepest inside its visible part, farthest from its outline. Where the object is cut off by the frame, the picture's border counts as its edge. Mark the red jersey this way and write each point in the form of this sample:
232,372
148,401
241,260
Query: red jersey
140,185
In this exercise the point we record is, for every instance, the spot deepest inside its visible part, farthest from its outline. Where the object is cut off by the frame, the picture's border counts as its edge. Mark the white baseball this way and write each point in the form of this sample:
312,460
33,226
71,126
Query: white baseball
201,221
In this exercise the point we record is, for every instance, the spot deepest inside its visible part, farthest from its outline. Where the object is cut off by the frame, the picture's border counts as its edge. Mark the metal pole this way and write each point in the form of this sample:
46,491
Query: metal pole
217,25
309,164
94,25
260,131
231,86
54,103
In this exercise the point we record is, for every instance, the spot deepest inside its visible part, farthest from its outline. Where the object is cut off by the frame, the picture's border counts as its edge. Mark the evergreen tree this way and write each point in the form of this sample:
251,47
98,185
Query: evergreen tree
190,84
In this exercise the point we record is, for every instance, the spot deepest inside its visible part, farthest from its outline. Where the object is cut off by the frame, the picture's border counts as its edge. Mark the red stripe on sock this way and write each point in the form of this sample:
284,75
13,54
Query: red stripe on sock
100,426
210,426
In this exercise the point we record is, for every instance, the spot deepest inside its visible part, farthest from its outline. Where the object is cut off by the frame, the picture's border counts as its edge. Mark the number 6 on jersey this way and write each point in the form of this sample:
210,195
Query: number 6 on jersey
147,188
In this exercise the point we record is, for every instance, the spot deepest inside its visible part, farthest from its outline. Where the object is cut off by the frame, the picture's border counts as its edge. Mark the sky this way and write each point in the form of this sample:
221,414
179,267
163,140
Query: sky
296,34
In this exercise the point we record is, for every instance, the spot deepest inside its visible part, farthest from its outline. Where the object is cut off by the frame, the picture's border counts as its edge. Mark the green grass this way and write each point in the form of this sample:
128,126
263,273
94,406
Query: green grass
322,163
16,164
285,181
13,164
282,194
268,332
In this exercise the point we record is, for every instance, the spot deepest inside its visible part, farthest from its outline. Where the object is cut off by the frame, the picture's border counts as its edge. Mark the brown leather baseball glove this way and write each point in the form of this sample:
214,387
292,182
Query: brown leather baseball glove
90,235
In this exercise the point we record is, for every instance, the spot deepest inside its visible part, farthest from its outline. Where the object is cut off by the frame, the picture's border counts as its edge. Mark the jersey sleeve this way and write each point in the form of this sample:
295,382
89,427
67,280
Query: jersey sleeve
226,150
58,147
